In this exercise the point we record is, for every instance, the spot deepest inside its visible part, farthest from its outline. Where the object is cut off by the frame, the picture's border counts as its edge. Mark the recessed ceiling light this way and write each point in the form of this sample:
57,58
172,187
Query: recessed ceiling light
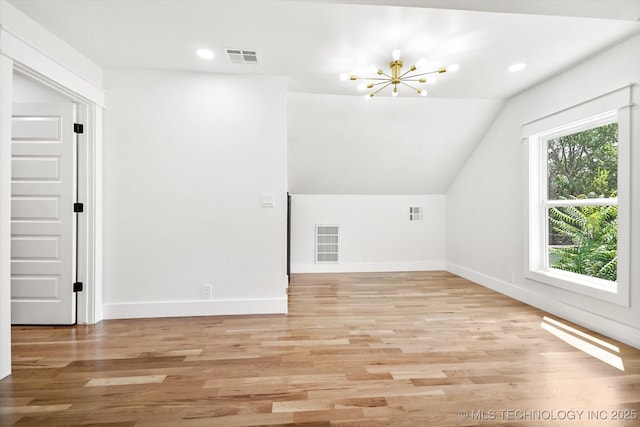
517,67
205,54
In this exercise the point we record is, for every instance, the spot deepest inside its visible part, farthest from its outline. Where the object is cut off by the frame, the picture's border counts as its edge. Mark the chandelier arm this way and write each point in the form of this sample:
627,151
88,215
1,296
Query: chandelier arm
374,78
381,83
406,72
427,73
408,85
383,87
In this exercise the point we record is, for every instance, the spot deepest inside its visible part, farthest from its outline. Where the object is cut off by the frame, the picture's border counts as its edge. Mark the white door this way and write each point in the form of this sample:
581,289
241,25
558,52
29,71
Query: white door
43,223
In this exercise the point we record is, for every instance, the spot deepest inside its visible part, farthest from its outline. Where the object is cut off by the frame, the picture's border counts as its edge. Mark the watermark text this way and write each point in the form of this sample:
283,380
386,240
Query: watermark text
548,414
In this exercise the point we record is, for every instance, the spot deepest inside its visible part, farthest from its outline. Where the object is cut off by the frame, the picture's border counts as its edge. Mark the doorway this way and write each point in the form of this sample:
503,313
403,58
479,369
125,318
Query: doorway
29,52
44,215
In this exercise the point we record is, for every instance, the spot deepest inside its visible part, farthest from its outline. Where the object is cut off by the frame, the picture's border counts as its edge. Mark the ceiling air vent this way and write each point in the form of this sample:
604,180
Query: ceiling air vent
241,56
326,244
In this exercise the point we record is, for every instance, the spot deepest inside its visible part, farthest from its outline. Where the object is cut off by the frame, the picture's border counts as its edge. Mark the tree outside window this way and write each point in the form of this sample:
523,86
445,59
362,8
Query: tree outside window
582,187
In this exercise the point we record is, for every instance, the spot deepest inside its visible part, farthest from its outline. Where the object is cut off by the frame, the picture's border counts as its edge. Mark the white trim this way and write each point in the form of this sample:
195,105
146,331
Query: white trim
581,202
625,141
222,307
6,88
591,286
90,298
616,330
29,57
367,267
94,198
31,45
613,100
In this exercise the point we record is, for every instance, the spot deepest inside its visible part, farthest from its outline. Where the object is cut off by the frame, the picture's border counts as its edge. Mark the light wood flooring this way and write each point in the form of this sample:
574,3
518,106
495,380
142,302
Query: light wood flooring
386,349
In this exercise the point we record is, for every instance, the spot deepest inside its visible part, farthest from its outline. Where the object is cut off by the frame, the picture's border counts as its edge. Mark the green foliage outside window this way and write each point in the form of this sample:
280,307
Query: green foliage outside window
593,231
584,165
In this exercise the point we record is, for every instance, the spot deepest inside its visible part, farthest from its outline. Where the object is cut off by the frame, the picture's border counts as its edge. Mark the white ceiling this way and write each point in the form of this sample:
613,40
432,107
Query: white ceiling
628,10
312,42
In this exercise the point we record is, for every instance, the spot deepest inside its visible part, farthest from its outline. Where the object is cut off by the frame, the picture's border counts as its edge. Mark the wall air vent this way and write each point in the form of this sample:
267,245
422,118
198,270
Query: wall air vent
415,213
327,244
242,56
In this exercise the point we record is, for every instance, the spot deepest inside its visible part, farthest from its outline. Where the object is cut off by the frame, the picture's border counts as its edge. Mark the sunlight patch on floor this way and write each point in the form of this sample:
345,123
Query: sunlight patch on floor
580,340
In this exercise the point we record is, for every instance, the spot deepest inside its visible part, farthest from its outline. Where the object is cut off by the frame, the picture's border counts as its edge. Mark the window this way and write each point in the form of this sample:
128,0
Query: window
578,182
578,204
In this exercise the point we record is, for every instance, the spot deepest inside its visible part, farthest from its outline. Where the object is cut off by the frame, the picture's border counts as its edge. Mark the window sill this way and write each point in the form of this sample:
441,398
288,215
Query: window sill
592,287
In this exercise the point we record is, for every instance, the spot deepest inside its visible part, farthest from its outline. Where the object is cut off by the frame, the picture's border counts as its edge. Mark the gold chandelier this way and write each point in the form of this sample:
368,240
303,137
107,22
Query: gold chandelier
396,77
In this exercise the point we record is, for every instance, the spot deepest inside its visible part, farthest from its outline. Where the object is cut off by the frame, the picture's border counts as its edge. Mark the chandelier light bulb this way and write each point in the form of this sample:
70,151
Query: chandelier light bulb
453,68
395,54
395,91
362,86
344,77
421,62
423,93
368,97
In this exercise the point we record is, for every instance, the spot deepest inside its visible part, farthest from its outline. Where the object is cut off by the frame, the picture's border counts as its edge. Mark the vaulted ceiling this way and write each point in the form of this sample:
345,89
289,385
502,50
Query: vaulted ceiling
312,42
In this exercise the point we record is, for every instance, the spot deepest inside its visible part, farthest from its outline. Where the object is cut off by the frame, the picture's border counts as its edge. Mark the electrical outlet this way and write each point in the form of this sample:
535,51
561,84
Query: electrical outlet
207,291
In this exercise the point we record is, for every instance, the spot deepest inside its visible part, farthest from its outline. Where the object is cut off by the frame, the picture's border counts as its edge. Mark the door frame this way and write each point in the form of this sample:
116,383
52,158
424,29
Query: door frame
86,263
29,49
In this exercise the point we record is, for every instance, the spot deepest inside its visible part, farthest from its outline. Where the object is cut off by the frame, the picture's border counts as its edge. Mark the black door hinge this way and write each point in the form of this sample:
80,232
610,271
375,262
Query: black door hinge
77,287
78,207
78,128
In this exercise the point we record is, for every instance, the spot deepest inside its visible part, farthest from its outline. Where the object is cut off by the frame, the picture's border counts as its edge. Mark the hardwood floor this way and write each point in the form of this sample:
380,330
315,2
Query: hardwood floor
385,349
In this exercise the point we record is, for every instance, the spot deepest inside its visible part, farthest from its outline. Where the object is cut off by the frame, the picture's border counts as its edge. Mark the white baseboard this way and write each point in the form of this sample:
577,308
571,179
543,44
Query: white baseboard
616,330
221,307
367,267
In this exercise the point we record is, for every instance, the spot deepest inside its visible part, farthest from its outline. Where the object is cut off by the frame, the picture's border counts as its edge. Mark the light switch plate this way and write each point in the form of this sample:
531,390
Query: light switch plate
268,200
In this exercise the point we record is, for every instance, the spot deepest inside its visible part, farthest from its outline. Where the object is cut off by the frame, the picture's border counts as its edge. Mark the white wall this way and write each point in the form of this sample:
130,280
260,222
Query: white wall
187,157
404,145
485,218
375,232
